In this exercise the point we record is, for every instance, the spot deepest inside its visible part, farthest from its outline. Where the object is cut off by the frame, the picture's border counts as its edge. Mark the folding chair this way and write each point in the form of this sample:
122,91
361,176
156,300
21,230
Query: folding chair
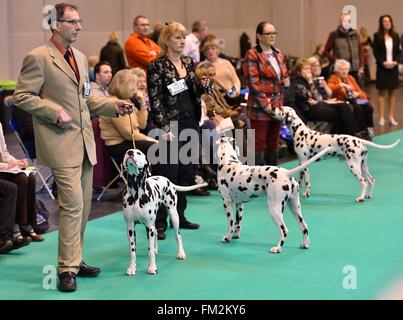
24,149
119,175
104,161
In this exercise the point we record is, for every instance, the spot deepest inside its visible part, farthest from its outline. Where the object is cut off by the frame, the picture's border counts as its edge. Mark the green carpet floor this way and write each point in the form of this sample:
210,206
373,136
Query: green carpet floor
367,236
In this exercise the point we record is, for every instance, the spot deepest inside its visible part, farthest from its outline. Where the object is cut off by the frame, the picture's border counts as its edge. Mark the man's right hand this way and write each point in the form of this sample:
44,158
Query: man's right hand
64,120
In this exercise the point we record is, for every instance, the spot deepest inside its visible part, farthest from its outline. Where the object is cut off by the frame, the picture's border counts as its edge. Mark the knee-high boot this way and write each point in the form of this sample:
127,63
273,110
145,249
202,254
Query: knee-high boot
271,157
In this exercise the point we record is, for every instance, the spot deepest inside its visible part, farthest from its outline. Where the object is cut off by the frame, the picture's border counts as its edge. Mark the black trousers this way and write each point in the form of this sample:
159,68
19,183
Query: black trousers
8,204
26,197
179,173
365,113
341,114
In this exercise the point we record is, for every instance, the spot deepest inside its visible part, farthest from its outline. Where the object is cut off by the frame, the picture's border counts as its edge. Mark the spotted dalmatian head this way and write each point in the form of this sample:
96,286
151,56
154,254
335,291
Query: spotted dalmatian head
285,114
227,150
134,162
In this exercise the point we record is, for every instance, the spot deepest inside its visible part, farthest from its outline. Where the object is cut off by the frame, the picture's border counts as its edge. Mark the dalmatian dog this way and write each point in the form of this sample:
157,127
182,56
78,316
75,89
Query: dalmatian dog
239,183
143,197
308,142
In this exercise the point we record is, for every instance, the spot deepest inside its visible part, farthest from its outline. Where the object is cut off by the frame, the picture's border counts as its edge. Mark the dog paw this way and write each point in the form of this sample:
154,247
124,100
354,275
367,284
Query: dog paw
152,270
359,199
304,246
275,250
368,196
131,271
236,235
306,194
181,256
226,239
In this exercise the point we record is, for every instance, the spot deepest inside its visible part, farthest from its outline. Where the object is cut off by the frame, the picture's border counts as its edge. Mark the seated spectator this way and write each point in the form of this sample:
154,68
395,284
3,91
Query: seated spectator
310,104
323,60
214,99
103,77
8,203
25,215
346,88
118,133
226,78
142,87
112,52
318,79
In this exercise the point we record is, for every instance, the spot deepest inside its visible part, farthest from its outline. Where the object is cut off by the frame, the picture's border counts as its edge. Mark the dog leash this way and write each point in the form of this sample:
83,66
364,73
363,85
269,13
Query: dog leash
132,131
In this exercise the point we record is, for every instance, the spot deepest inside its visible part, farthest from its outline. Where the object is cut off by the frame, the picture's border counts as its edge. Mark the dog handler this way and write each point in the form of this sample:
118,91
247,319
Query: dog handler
54,87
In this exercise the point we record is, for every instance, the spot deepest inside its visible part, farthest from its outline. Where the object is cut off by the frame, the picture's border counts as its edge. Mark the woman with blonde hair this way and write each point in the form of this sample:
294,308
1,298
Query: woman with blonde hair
118,133
226,78
174,93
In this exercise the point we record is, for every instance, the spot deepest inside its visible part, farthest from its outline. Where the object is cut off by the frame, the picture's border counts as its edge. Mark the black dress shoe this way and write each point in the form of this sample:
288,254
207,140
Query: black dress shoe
188,225
88,271
161,234
67,282
199,192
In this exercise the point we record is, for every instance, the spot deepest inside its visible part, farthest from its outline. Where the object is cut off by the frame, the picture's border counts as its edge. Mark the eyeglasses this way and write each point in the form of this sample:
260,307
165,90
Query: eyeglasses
269,33
73,22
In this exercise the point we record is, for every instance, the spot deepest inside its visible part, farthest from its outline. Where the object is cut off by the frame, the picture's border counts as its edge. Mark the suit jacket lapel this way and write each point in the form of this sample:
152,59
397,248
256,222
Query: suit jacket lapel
59,60
81,67
268,68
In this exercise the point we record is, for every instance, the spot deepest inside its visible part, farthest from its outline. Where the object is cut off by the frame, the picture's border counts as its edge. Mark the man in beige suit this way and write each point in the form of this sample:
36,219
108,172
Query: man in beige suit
53,86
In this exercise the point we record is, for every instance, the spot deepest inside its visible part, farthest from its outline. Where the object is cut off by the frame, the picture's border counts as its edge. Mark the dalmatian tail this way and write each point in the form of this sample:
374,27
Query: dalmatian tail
189,188
389,146
309,161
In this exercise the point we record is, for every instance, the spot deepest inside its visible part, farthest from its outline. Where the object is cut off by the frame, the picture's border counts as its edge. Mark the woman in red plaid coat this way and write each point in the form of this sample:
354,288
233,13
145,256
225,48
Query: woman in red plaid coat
266,74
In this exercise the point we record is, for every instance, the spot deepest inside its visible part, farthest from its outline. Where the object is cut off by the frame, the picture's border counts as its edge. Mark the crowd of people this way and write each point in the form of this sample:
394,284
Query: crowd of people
175,82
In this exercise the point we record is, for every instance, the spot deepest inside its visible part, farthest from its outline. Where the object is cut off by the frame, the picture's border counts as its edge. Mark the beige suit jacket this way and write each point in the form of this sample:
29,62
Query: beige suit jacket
46,85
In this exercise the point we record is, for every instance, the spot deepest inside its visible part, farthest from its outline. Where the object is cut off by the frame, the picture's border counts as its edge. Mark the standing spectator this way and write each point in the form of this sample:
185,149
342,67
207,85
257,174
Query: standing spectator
266,75
139,49
387,52
157,28
112,52
344,44
192,46
53,85
103,77
170,106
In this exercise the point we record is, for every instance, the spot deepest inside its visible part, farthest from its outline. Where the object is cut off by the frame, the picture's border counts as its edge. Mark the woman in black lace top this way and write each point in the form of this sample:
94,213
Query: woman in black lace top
174,95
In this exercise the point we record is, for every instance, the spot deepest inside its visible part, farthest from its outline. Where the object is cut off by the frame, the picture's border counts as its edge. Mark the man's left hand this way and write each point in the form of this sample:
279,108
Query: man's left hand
123,107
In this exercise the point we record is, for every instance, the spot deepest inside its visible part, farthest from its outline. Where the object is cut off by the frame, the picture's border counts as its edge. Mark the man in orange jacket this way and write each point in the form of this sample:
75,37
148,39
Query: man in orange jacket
139,49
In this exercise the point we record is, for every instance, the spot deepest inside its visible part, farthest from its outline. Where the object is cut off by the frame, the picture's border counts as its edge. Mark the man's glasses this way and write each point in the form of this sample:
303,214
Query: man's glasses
269,33
73,22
